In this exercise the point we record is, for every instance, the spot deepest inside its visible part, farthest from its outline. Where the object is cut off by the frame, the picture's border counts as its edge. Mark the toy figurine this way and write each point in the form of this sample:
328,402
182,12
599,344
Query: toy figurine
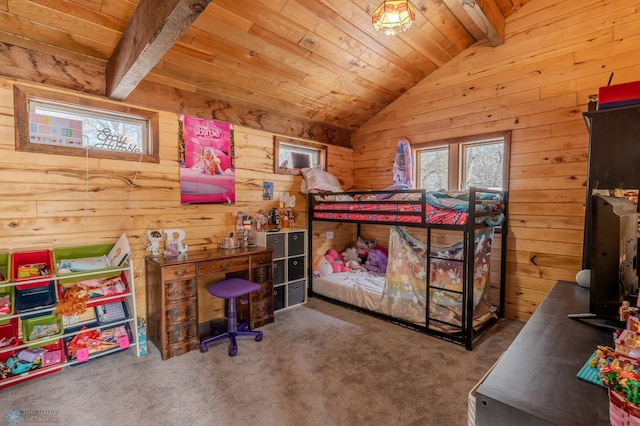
154,238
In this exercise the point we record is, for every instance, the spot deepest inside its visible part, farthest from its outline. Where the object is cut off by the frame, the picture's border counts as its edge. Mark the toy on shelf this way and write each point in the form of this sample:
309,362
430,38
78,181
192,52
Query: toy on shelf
154,237
619,369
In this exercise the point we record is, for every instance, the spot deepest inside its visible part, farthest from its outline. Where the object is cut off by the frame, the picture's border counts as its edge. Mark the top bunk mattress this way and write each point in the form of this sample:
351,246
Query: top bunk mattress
410,207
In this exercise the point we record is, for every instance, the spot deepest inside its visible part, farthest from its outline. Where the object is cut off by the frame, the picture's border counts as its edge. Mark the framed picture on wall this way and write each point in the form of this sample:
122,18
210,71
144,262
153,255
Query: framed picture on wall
207,170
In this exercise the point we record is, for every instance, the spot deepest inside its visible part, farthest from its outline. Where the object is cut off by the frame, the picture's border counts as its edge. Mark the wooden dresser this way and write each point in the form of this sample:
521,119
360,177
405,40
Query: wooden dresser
172,293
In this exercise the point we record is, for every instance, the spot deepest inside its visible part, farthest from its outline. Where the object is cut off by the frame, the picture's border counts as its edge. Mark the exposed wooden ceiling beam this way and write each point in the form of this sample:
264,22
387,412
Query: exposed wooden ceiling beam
487,16
153,29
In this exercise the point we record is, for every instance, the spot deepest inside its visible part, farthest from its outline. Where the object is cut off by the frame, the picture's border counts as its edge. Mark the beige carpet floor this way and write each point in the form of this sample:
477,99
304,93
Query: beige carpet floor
319,364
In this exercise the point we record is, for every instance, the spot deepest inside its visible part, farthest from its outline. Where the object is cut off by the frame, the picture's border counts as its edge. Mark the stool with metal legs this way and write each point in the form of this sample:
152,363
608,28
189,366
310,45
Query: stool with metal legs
229,289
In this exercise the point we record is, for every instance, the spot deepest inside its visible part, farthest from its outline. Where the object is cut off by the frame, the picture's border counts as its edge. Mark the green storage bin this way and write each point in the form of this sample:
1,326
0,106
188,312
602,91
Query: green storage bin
29,325
82,252
5,267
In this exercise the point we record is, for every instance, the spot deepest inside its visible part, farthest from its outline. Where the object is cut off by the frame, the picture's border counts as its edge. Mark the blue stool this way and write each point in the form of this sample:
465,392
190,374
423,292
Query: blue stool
230,289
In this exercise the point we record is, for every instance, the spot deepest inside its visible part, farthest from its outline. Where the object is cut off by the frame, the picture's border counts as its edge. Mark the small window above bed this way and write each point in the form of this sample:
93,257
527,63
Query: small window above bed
291,156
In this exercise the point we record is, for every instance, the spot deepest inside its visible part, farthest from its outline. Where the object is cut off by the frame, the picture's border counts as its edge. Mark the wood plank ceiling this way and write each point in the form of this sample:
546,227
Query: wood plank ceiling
317,61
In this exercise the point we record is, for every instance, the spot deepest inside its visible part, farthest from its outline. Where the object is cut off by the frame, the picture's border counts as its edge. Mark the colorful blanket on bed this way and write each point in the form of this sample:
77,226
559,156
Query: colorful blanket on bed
405,293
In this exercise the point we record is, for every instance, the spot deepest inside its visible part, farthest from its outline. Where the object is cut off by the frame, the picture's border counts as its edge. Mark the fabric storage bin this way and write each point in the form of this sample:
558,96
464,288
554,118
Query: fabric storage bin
7,306
276,242
9,333
295,243
36,298
41,327
295,293
278,271
40,263
278,297
295,268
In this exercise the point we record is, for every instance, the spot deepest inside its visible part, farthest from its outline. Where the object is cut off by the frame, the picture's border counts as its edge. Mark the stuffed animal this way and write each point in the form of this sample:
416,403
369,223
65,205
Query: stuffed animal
363,247
351,254
377,261
321,266
354,266
336,261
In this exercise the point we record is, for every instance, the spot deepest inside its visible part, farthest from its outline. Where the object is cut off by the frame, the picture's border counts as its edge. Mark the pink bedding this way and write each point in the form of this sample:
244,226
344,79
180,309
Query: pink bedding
401,213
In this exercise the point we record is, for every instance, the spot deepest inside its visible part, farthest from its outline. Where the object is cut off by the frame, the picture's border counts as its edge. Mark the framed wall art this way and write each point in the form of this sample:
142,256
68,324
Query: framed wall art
207,170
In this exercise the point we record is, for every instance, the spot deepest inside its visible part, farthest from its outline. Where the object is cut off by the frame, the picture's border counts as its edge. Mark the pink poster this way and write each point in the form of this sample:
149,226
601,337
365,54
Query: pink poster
207,173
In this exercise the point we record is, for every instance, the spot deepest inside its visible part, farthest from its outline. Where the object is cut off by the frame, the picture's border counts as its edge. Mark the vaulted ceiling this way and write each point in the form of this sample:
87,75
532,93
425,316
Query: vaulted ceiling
318,61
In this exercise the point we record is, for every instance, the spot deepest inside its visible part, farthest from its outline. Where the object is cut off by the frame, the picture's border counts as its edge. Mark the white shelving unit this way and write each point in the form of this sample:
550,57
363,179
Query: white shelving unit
289,265
128,298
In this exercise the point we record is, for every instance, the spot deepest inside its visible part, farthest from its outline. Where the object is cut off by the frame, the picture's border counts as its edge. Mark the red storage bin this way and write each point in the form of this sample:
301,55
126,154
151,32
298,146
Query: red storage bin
118,286
9,334
55,356
43,267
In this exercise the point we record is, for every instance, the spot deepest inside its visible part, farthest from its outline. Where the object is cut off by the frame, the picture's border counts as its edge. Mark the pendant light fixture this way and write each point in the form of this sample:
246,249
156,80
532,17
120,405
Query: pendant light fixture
393,16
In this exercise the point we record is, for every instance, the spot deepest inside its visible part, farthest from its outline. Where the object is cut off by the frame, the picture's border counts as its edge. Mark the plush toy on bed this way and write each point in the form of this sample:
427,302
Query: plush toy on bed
336,260
363,247
321,266
351,254
377,261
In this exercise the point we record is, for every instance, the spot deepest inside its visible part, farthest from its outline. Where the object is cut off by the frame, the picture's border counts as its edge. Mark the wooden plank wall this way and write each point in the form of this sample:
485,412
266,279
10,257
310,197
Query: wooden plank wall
537,84
53,201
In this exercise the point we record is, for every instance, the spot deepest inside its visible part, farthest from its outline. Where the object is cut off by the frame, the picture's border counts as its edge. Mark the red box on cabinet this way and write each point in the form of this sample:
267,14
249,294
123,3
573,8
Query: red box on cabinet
619,95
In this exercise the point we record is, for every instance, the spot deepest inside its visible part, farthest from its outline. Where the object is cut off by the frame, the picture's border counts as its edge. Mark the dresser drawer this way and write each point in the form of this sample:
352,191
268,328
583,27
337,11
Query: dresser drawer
181,333
261,259
178,272
176,290
262,313
179,349
182,311
262,274
224,265
265,292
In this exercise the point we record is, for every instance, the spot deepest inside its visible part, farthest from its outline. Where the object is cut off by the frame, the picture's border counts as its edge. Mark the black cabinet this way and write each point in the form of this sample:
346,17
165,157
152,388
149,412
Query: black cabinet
614,157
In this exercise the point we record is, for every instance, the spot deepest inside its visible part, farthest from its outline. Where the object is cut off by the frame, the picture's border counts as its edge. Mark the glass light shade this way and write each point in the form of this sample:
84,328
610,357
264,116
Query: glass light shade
393,17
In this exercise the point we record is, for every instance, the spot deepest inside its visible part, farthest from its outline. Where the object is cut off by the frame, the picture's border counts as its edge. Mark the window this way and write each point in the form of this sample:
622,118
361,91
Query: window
478,161
291,156
57,123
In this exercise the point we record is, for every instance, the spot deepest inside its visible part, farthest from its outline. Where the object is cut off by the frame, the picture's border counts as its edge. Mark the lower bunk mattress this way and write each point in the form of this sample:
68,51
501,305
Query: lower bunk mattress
366,290
401,293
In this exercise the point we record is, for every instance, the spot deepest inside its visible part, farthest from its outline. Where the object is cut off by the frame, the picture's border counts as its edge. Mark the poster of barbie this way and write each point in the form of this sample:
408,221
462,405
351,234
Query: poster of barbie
207,173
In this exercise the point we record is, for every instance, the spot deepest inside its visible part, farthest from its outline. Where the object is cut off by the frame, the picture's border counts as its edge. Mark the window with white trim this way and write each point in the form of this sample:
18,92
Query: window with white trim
458,164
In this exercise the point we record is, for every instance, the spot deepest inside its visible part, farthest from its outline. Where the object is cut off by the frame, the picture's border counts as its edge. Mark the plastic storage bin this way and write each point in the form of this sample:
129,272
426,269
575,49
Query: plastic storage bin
43,267
5,267
111,312
9,334
41,327
96,298
82,252
37,298
78,353
6,311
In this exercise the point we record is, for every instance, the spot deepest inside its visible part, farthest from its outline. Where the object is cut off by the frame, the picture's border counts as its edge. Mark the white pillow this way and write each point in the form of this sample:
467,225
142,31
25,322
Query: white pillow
318,180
